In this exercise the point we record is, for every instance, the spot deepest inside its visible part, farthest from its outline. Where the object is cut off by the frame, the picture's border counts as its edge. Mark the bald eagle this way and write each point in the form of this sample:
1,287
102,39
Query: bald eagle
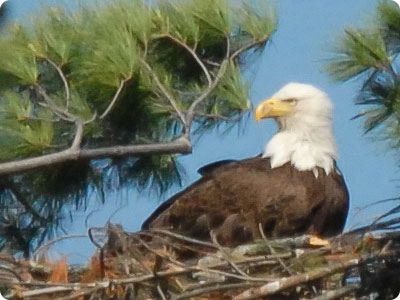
293,187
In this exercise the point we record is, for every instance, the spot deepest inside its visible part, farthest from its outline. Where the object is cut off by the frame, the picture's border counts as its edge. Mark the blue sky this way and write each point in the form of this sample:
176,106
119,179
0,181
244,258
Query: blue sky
306,30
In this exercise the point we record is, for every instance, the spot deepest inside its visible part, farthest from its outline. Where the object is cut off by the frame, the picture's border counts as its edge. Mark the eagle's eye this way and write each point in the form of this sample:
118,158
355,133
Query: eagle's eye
291,101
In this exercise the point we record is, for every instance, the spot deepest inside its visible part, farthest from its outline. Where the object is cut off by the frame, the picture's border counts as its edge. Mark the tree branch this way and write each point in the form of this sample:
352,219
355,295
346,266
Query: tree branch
169,97
216,288
183,238
218,117
62,76
22,200
226,256
330,295
195,56
82,294
377,226
160,292
180,145
206,93
12,271
63,114
247,47
43,291
244,276
288,282
115,98
56,240
210,89
78,136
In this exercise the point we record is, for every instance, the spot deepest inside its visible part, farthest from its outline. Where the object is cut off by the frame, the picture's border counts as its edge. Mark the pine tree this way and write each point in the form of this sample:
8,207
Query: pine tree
105,97
370,54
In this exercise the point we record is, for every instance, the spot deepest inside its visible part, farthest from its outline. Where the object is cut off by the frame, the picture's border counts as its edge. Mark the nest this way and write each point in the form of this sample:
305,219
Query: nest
158,264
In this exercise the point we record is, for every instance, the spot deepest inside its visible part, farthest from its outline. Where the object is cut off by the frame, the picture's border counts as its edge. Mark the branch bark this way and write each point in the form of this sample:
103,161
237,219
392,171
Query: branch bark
76,144
226,256
21,199
235,54
218,287
169,97
288,282
195,56
180,145
63,114
63,78
206,93
115,98
46,245
330,295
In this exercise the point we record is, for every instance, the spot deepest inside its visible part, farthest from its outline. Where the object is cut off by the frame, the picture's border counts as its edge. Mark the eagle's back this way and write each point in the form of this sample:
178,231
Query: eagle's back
235,198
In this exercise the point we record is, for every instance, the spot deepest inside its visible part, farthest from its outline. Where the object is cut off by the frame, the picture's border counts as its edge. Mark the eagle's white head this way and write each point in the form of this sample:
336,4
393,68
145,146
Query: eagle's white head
305,137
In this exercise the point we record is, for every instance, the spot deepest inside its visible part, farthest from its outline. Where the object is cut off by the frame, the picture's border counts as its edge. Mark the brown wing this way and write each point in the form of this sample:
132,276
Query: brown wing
235,197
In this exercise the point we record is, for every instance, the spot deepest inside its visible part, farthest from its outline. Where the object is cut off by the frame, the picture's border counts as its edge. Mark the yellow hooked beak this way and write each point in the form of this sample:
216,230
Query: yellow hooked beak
271,108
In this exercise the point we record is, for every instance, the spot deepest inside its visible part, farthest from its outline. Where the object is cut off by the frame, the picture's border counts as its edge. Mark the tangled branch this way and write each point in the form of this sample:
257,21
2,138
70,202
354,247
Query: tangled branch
360,265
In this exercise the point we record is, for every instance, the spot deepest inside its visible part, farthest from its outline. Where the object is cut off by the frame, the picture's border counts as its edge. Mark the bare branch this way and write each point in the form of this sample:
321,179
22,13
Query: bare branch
183,238
287,282
22,200
206,93
138,255
272,250
377,226
92,237
180,145
160,292
56,112
257,287
56,240
210,89
226,256
218,287
218,117
62,76
12,271
78,136
212,63
206,269
115,98
91,119
330,295
169,97
246,47
44,291
82,294
63,114
195,56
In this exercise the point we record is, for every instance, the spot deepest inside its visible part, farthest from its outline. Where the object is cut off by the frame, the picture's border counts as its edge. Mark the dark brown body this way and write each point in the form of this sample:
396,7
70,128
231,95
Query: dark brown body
234,197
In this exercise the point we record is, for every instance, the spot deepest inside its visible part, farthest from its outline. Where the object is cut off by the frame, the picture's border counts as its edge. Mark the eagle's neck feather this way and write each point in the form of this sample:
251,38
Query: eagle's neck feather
305,141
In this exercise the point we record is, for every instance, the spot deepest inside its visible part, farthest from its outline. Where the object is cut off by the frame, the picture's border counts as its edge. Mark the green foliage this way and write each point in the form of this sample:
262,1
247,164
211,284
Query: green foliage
113,52
370,53
21,133
46,40
258,20
233,90
157,173
151,58
18,59
358,52
389,24
213,14
179,20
